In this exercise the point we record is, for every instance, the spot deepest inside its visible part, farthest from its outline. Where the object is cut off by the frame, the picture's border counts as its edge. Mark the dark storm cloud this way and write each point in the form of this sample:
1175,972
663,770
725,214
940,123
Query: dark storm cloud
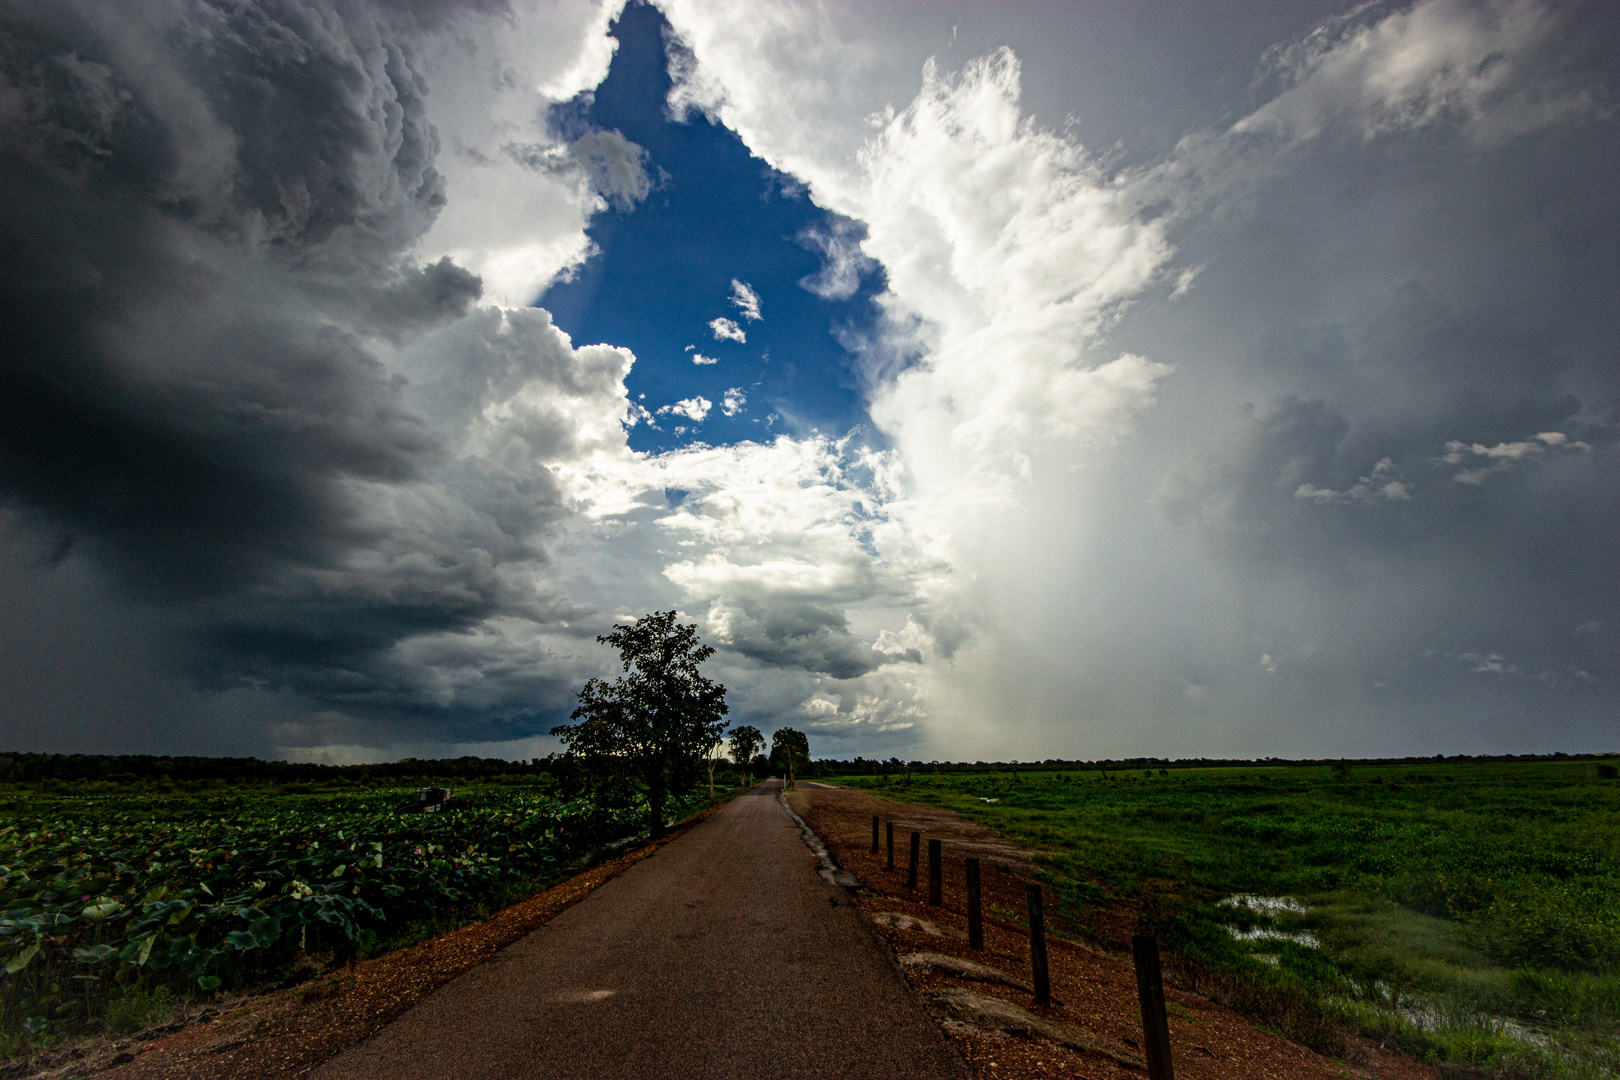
206,210
183,188
1429,516
799,634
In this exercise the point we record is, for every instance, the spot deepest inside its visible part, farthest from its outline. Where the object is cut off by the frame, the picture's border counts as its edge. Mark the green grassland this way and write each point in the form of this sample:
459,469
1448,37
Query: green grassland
118,899
1464,911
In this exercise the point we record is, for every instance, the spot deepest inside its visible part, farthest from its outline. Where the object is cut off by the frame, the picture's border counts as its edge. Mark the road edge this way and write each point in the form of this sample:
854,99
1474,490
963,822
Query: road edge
830,871
326,1002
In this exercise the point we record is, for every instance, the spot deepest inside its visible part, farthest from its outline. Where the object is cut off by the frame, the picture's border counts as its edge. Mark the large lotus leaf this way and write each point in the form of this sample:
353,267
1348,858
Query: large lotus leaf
102,910
139,949
96,954
20,961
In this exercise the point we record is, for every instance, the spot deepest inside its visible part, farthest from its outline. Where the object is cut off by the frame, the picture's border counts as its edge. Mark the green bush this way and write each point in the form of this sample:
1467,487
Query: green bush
137,1010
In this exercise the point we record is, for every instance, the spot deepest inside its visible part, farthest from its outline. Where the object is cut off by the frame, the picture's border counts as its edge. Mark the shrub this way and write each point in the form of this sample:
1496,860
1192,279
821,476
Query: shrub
139,1009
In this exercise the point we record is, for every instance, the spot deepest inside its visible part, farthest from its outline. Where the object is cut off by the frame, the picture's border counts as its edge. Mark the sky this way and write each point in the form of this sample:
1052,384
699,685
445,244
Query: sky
994,380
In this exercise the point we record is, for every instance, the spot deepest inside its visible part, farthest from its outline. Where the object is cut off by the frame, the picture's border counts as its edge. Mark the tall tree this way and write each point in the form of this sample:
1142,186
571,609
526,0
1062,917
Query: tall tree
746,741
656,721
790,749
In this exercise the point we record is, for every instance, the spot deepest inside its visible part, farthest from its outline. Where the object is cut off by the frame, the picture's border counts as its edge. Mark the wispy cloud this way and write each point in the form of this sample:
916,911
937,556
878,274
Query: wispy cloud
1378,484
843,262
746,300
726,330
1503,456
1500,665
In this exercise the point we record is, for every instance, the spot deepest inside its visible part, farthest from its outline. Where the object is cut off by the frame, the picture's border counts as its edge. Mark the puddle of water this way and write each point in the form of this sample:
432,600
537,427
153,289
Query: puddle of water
1301,937
1271,906
1422,1015
1431,1018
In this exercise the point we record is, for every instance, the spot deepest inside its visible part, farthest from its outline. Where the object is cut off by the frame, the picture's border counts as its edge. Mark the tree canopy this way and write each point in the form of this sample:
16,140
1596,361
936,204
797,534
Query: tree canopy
790,749
656,721
746,741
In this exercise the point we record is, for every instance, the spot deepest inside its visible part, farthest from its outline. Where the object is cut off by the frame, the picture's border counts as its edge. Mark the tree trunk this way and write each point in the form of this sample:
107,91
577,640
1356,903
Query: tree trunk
655,809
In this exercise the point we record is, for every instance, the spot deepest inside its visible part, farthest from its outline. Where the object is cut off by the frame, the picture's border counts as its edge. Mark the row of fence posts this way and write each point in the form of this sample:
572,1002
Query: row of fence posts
1144,947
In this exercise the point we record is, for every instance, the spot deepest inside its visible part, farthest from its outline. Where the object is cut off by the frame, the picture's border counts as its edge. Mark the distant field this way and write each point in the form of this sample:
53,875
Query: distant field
115,903
1468,911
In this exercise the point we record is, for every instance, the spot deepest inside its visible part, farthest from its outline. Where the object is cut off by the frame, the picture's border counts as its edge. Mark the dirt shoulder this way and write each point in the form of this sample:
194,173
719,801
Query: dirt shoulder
288,1033
1092,990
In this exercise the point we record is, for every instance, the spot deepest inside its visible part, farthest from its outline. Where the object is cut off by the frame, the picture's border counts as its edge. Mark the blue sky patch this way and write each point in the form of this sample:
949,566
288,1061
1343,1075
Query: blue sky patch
702,280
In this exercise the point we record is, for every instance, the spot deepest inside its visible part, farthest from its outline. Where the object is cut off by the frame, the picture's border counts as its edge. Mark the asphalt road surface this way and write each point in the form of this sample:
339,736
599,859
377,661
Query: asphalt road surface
722,955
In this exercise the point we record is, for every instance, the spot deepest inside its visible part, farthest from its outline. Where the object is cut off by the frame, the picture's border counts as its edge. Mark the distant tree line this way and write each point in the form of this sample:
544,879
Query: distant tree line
133,768
137,768
860,766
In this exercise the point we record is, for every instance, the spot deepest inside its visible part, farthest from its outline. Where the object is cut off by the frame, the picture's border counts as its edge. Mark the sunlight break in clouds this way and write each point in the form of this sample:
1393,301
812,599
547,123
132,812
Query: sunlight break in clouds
1010,252
1443,61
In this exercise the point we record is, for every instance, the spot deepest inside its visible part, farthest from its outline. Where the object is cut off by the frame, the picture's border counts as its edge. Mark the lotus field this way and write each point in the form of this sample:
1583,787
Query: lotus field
101,896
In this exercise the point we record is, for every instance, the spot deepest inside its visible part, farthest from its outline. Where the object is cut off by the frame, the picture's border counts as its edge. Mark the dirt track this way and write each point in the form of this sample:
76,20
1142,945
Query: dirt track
723,955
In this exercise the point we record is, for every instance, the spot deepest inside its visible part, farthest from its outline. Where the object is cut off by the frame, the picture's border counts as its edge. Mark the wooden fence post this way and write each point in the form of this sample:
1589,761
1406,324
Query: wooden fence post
911,874
1037,946
936,874
1150,991
890,830
975,918
874,833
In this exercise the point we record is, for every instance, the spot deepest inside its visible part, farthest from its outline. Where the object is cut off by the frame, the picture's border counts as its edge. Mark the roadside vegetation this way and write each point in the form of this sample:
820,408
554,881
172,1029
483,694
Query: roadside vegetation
125,892
115,906
1461,911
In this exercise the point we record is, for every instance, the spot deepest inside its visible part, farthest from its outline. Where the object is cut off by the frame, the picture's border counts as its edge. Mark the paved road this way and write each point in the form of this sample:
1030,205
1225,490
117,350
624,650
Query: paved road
722,955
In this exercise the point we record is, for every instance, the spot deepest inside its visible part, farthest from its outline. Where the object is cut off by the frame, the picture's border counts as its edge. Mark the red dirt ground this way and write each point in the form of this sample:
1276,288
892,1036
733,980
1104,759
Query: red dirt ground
1089,988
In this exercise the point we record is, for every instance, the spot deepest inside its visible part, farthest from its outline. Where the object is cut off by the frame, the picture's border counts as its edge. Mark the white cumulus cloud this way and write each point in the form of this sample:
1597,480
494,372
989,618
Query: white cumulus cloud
517,227
693,408
726,330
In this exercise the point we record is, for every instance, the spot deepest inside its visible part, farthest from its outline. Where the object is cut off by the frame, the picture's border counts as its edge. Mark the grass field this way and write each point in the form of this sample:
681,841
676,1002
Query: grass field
116,902
1465,911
